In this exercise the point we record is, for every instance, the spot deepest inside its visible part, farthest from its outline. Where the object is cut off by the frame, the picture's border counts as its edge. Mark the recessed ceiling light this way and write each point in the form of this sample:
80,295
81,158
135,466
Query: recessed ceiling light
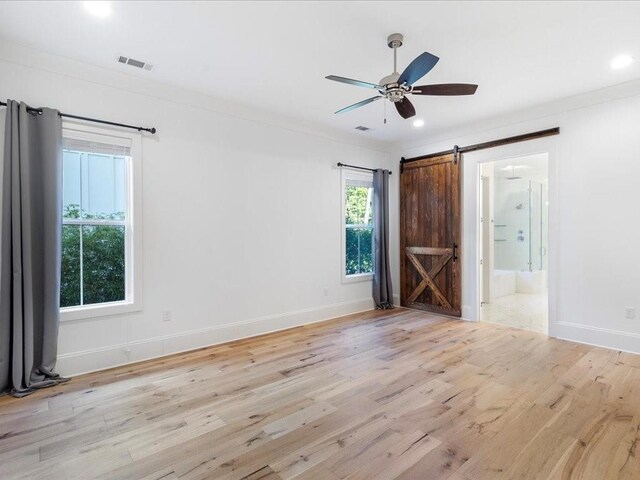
98,9
418,122
621,61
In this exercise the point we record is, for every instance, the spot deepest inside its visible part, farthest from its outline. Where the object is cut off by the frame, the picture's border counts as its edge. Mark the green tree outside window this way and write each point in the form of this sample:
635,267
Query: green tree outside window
93,260
359,229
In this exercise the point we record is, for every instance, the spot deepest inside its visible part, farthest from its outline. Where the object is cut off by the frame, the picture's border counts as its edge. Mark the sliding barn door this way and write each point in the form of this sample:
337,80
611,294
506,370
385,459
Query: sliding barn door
430,235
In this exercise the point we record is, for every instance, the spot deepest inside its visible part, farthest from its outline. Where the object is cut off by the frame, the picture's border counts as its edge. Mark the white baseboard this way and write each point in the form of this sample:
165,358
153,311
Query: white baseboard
87,361
596,336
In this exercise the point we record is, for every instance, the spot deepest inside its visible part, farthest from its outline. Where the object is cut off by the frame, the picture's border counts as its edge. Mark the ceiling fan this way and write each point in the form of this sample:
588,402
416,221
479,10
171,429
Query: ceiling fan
397,86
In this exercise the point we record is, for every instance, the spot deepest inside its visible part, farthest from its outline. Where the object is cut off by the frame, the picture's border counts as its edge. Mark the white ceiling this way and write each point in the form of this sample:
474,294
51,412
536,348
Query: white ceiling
274,55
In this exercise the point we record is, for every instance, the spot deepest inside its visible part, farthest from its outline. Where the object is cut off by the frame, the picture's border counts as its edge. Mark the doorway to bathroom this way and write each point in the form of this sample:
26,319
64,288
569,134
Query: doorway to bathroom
514,239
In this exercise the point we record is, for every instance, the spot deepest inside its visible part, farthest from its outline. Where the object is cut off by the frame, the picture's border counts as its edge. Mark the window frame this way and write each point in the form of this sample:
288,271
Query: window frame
347,175
132,224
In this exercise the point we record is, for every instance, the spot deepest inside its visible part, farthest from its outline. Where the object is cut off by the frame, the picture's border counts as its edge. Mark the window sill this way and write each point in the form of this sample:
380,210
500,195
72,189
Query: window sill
85,312
363,277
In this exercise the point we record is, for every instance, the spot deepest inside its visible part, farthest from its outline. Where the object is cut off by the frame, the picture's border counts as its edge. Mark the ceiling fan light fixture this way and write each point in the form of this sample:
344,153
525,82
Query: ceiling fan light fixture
418,122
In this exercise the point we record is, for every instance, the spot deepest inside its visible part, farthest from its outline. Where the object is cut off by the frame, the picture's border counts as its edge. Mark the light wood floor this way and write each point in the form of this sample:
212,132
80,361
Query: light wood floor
380,395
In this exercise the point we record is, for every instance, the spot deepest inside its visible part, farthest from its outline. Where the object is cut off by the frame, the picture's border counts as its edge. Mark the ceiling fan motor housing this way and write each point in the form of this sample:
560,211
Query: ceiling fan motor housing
390,79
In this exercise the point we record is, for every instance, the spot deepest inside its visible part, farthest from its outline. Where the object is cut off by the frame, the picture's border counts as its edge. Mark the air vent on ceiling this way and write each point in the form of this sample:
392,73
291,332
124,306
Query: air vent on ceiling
362,128
134,63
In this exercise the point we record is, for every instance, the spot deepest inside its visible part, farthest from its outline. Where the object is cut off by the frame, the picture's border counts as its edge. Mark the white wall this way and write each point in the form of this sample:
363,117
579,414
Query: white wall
241,213
594,168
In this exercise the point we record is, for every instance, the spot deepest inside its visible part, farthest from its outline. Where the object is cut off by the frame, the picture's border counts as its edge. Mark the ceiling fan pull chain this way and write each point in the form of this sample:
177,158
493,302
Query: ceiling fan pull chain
385,112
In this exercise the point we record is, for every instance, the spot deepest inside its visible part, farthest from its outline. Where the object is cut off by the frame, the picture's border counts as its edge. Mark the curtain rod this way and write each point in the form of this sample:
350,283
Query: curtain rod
491,144
340,164
151,130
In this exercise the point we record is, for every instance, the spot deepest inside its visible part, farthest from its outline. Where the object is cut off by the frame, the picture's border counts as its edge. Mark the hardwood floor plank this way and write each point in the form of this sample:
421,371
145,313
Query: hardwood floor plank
401,456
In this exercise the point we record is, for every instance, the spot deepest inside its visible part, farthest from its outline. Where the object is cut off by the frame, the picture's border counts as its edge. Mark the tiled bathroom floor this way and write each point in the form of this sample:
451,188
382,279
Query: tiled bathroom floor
520,310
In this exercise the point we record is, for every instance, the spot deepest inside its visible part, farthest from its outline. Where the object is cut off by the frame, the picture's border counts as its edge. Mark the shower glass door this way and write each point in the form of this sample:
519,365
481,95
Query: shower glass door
520,236
512,245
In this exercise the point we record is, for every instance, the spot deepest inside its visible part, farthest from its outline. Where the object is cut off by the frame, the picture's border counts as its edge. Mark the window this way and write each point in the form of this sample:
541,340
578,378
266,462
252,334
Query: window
101,207
357,221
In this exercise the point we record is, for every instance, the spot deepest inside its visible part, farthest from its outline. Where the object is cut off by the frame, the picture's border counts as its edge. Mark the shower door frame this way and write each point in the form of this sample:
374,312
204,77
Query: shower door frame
472,228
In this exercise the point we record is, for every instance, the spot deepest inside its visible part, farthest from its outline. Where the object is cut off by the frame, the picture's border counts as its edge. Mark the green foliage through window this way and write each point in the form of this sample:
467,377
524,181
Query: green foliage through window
359,229
93,260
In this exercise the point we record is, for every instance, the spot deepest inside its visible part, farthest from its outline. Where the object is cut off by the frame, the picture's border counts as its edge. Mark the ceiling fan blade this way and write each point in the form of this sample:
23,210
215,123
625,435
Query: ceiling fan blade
445,89
351,81
358,105
417,69
405,108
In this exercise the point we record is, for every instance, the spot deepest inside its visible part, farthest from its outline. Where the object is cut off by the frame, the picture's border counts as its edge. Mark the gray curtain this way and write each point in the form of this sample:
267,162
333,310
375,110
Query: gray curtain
30,249
382,289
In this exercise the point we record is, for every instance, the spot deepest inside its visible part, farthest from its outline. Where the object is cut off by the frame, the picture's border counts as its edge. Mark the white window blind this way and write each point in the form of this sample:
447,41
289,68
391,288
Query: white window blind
76,141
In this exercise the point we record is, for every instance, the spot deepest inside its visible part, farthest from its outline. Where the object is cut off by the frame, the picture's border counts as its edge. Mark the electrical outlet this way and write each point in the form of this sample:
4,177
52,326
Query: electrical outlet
325,292
630,313
166,316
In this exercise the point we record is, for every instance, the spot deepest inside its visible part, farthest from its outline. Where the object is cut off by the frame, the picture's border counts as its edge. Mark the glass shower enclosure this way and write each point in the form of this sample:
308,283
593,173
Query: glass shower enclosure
520,224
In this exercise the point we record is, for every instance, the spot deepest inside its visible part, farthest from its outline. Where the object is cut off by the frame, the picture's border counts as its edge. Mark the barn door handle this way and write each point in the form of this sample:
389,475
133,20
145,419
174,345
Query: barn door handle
455,252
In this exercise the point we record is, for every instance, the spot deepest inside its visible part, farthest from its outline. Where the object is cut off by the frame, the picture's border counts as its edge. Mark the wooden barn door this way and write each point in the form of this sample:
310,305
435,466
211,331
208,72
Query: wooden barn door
430,235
